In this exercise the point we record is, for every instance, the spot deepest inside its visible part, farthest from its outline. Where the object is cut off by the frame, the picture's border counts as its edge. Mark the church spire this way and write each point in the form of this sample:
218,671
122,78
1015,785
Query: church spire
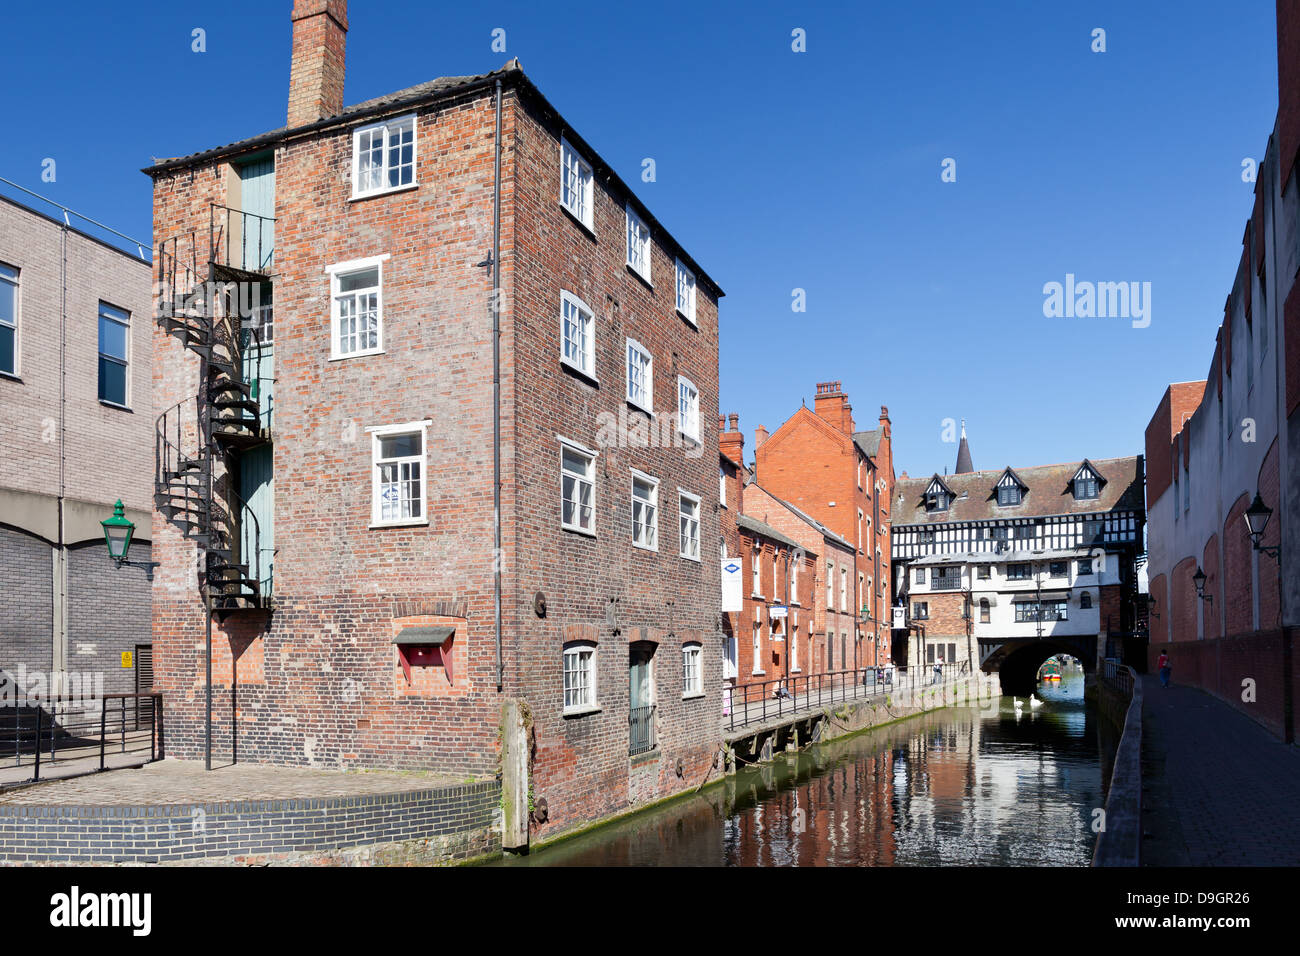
963,453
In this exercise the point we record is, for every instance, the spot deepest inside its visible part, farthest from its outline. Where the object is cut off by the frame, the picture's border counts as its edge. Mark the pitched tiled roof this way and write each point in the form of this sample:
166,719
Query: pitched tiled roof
1050,493
868,442
441,88
421,92
755,526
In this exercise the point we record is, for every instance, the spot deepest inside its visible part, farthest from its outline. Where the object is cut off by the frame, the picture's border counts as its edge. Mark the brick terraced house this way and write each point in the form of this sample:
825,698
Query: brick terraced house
844,478
76,436
326,495
1001,570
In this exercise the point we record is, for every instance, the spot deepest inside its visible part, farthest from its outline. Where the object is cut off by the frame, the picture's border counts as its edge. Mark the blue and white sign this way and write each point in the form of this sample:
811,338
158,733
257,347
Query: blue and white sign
732,597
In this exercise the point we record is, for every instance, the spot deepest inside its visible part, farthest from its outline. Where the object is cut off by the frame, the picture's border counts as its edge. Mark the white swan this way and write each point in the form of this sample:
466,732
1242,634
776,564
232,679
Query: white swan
1034,701
1020,704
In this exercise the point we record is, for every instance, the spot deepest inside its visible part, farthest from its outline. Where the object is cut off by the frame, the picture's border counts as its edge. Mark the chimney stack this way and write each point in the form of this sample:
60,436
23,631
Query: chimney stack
760,436
731,441
831,405
320,30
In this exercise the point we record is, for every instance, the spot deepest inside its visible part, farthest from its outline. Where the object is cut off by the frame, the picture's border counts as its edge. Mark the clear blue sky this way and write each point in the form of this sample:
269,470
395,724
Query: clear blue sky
782,170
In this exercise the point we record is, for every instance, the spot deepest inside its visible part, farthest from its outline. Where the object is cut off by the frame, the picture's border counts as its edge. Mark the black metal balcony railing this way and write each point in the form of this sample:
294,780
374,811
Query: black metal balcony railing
641,730
774,699
81,739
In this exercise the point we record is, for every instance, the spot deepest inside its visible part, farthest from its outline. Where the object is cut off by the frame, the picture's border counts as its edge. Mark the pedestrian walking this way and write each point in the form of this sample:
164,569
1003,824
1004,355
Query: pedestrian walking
1162,662
938,669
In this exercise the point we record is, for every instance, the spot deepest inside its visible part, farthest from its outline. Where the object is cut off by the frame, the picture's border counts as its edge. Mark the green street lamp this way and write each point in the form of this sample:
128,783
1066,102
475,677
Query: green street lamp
118,531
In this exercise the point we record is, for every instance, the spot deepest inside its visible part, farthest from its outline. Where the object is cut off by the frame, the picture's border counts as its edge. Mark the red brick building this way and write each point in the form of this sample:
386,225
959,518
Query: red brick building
844,478
333,451
1226,607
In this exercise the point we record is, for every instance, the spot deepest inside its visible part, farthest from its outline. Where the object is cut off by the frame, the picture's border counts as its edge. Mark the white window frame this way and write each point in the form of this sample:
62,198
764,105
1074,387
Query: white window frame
758,651
794,645
830,585
685,283
16,283
584,654
637,235
692,661
582,208
844,589
636,350
722,488
688,424
682,497
388,126
653,524
756,569
588,355
794,582
336,272
387,431
584,452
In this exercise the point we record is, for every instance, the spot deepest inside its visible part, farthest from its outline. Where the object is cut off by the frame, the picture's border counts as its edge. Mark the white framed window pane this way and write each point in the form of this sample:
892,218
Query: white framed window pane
579,685
688,409
400,464
640,375
645,513
685,291
576,331
690,527
576,185
577,510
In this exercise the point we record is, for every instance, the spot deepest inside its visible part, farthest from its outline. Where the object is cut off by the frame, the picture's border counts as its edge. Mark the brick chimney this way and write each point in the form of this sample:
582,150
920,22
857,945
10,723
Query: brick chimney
731,440
320,30
760,436
832,406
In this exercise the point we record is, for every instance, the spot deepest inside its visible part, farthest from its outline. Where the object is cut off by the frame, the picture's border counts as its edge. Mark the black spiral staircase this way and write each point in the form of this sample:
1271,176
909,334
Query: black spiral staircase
198,441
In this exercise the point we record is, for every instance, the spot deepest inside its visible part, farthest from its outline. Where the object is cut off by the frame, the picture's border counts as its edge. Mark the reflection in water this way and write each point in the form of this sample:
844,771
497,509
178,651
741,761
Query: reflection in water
960,786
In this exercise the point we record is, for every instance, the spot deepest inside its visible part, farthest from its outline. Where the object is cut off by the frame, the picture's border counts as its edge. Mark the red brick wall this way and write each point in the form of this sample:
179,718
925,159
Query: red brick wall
1159,617
1223,666
326,656
1288,85
1238,590
1178,402
1183,601
1212,612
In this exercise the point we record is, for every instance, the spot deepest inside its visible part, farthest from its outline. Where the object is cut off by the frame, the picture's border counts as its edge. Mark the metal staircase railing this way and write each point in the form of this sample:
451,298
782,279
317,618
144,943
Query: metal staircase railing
204,308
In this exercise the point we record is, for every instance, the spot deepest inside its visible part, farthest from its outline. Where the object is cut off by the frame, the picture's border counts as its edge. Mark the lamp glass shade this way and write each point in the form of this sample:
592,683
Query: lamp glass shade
1199,580
1257,516
117,533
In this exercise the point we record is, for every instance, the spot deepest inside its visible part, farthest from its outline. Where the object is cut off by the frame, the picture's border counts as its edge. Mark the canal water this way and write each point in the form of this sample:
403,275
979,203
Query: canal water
956,786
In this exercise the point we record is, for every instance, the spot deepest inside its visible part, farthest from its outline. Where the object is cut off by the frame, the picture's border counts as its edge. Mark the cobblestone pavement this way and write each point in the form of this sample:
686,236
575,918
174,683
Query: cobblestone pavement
1218,789
167,782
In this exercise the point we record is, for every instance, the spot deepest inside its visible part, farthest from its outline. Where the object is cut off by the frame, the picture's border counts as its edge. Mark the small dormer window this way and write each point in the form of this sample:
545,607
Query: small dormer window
937,496
1087,483
1011,491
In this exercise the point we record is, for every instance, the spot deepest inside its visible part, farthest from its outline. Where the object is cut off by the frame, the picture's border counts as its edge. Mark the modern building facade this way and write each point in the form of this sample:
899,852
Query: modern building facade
76,429
1225,606
844,478
360,422
1000,570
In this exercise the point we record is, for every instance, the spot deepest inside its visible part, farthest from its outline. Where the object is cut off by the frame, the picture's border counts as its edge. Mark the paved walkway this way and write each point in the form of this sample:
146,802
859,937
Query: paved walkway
170,782
1218,789
80,758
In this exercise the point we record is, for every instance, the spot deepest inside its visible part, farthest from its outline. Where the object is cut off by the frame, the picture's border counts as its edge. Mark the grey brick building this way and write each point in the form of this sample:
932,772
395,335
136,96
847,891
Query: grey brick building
76,435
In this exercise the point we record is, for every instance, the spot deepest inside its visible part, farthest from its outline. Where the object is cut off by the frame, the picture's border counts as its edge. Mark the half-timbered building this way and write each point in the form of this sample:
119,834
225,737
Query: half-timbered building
988,564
